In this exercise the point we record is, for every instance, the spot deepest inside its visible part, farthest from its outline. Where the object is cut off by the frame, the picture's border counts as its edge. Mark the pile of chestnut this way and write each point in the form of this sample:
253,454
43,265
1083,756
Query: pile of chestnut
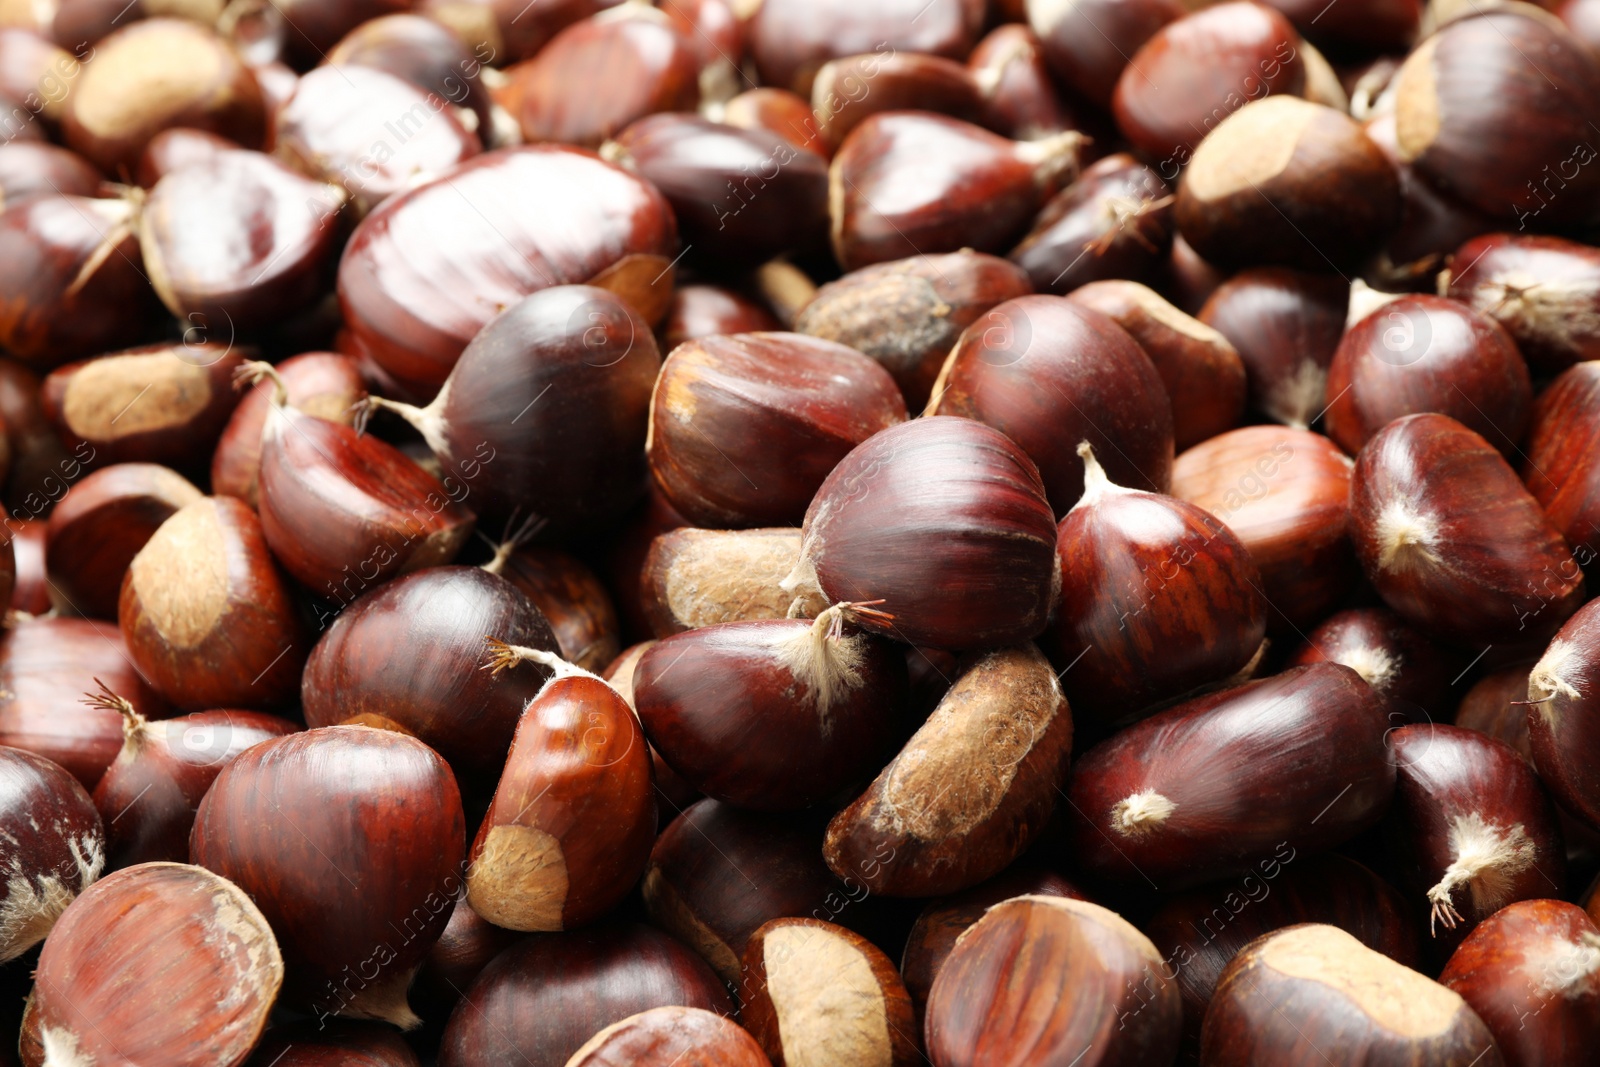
985,533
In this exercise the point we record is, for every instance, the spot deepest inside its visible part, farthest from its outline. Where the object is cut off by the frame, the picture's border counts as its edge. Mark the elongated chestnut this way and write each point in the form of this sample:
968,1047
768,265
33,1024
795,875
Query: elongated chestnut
970,791
772,715
350,840
29,169
46,665
1046,979
1115,221
1561,718
817,993
849,89
945,521
1143,809
207,614
425,53
791,39
1411,672
98,528
778,111
694,578
53,847
414,307
688,1037
1087,42
906,184
1428,353
698,311
1451,539
542,999
1309,987
1020,98
572,599
190,983
907,314
1544,290
744,429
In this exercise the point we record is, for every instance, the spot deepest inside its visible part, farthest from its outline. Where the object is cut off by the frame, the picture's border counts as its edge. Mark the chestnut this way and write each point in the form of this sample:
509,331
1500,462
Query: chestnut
698,311
784,288
1289,995
425,53
970,791
333,1045
777,111
31,592
177,148
453,963
671,1037
1285,494
98,528
1202,371
543,998
1558,464
306,824
1053,980
35,72
1366,26
716,31
1286,326
1130,633
207,615
789,407
572,599
774,715
52,846
817,993
189,984
945,521
1410,671
1020,98
504,30
1560,723
1087,42
29,169
1145,802
694,578
906,183
1452,541
1497,705
791,39
1428,353
847,90
908,313
1285,181
1049,373
1544,290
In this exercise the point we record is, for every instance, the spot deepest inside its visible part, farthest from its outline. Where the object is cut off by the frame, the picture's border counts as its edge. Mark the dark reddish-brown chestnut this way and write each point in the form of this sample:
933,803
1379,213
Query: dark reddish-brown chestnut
333,1044
453,963
1366,26
777,111
847,90
970,791
743,429
791,39
1544,290
52,847
1497,705
1156,800
693,578
572,598
684,1037
1020,98
31,593
1412,673
425,53
699,311
1115,221
1559,464
1088,42
1561,714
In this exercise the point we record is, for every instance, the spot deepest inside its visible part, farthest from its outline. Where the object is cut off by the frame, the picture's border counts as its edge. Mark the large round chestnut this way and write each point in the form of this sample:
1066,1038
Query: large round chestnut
52,846
1115,221
1544,290
944,523
1087,42
743,429
1048,373
1410,671
1428,353
1562,715
791,39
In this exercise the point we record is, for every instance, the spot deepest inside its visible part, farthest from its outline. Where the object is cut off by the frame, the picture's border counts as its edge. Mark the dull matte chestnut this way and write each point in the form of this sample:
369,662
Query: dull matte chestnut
572,599
1412,673
1202,371
1561,717
1049,373
944,520
98,528
685,1037
334,1044
162,962
694,578
46,665
791,39
814,992
1452,541
1115,221
1428,353
970,791
1020,99
155,74
425,53
414,308
907,314
543,998
1048,979
909,183
698,311
1285,494
29,169
52,847
1146,801
1290,994
1087,42
744,429
778,111
849,89
207,614
1544,290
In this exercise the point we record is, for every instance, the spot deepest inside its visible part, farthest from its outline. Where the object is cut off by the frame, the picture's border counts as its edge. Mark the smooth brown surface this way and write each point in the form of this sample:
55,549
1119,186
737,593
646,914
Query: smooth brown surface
1562,724
1558,462
1414,674
791,39
51,843
1115,221
573,600
1088,42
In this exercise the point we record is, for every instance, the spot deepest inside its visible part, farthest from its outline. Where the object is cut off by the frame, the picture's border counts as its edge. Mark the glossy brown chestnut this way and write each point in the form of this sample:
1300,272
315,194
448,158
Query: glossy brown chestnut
572,599
905,183
686,1037
99,527
773,715
1428,353
699,311
970,791
207,615
716,33
350,840
1087,42
1412,673
1020,99
1049,373
453,963
317,25
190,983
427,270
848,90
155,74
744,429
1558,463
778,111
334,1045
1045,979
29,169
542,999
1202,371
1289,182
425,53
1496,705
1115,221
52,848
1561,714
1544,290
1149,802
816,993
1367,26
1452,541
46,665
945,521
1305,988
176,148
791,39
31,592
907,314
694,578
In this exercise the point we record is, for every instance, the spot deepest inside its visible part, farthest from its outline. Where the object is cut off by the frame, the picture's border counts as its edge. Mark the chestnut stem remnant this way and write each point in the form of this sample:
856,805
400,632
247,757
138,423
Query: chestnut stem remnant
134,725
1486,857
